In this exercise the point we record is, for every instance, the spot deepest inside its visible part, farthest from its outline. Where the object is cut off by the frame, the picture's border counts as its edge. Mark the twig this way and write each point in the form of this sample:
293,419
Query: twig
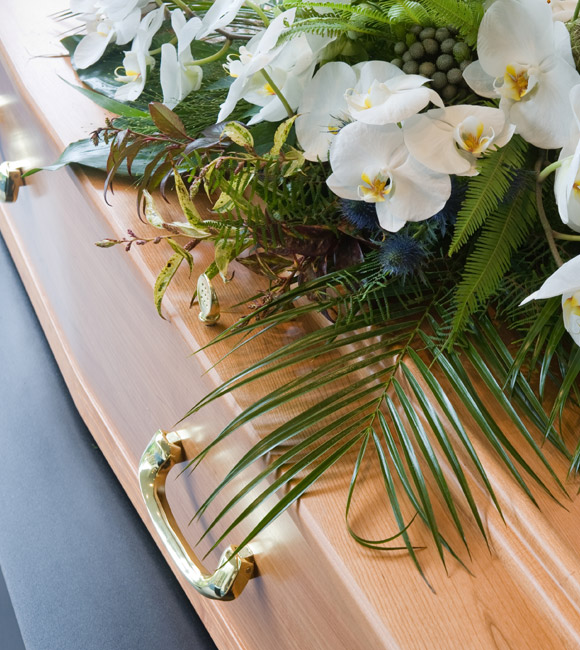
542,214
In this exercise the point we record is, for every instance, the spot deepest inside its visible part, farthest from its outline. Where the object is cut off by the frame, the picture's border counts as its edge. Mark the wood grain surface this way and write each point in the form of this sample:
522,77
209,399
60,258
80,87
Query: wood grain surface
131,373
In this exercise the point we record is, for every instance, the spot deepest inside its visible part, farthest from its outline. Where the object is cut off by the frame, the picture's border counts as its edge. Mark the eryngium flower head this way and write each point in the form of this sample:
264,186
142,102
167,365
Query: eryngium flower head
401,255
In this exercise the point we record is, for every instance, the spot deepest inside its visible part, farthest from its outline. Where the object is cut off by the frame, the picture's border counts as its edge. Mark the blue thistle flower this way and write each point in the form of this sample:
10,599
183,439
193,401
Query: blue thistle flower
401,255
360,214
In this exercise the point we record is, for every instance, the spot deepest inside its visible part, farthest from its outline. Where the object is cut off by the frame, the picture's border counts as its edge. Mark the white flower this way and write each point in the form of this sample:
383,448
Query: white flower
563,10
567,179
323,108
137,60
565,282
253,57
384,94
525,59
289,65
450,140
220,15
106,20
178,75
372,164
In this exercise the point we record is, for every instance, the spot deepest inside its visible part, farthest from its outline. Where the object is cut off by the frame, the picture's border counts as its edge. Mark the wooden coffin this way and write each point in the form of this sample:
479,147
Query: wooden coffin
131,373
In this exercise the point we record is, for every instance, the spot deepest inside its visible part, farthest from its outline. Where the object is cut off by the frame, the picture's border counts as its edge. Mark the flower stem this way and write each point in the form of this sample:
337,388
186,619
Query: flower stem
254,7
565,236
214,57
173,41
544,219
551,168
179,3
576,11
278,92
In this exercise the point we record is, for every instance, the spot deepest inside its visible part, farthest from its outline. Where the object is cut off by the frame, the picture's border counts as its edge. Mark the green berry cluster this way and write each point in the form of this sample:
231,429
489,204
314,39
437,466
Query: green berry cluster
438,55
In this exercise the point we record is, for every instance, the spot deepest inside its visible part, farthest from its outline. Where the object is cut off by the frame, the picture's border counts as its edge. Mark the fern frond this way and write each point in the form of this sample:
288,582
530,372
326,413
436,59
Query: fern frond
486,190
376,384
503,233
465,15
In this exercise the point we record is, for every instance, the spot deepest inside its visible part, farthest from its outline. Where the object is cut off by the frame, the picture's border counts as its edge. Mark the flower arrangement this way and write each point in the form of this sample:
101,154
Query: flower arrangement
408,169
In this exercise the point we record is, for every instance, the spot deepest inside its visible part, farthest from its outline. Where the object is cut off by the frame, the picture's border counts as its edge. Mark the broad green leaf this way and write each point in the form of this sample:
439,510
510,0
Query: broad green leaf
164,278
108,103
167,121
187,205
187,256
224,250
85,153
151,213
238,134
281,135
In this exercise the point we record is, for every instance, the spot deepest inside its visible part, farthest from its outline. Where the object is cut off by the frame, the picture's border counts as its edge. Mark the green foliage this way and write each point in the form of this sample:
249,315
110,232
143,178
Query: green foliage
503,233
393,384
465,15
485,191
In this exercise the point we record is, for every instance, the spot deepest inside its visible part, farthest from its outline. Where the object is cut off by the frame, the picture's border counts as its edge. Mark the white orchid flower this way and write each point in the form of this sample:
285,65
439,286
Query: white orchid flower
106,20
372,164
253,57
179,76
562,10
220,15
138,59
451,139
290,64
323,108
567,178
525,59
384,94
565,282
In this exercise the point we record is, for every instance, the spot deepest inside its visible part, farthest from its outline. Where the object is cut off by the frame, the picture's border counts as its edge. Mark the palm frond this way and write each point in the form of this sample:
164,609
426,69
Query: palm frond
377,383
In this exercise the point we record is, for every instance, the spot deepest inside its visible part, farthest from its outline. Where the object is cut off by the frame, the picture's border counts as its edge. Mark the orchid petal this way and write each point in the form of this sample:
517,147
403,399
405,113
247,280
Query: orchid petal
220,15
91,48
431,142
546,119
169,75
479,81
419,193
563,281
512,28
127,28
323,106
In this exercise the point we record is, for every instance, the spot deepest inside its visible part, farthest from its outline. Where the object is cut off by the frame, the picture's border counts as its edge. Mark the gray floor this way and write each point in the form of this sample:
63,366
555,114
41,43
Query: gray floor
81,569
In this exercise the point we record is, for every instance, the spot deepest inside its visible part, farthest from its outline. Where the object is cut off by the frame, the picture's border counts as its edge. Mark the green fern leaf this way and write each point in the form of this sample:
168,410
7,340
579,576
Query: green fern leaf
487,189
503,233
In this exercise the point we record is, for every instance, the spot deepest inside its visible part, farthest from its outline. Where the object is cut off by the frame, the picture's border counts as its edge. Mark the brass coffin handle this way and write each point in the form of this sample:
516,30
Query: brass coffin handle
236,565
10,182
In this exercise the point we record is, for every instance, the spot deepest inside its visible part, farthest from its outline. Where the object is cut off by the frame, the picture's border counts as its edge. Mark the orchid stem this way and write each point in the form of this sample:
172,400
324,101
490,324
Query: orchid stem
550,168
565,236
254,7
214,57
544,219
183,6
278,92
576,11
173,41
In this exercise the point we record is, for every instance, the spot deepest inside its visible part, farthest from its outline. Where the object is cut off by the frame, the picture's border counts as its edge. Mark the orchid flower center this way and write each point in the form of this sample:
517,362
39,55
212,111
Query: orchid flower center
376,95
128,76
375,188
576,187
472,137
571,309
517,82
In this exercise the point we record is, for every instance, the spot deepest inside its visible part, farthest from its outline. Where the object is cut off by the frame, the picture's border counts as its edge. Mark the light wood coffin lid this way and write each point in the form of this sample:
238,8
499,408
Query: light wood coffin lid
131,373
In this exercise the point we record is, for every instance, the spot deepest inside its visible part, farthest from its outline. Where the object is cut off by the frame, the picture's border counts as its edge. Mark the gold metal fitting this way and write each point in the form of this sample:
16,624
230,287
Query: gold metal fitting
10,182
